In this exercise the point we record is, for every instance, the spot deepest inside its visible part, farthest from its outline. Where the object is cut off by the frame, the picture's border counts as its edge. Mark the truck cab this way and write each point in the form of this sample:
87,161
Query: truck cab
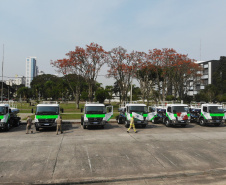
139,111
46,115
177,114
96,114
211,114
8,117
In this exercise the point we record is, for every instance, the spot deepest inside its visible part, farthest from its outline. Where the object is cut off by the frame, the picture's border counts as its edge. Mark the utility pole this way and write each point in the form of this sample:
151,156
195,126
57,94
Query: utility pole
2,74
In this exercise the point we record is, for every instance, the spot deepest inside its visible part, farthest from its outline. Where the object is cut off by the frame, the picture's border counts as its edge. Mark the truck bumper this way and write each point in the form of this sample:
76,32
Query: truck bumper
45,125
89,123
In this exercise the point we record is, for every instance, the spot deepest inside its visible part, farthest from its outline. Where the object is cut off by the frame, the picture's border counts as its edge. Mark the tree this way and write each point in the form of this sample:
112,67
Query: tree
85,63
121,68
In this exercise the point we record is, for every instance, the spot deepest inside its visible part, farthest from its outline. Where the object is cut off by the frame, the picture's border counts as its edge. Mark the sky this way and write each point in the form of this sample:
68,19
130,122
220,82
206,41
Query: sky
48,29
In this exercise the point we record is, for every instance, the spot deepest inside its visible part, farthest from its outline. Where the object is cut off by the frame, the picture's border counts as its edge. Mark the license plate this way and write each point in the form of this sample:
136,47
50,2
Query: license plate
217,120
46,124
138,121
95,122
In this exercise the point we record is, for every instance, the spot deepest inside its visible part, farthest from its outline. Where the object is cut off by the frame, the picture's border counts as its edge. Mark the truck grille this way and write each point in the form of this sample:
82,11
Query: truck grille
95,119
46,120
217,117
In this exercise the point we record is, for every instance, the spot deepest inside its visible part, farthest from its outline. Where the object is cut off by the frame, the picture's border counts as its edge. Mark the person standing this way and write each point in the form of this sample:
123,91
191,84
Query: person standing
59,125
29,125
132,125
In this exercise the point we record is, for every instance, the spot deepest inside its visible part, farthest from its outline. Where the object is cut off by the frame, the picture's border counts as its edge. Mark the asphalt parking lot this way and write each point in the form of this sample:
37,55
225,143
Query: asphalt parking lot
155,155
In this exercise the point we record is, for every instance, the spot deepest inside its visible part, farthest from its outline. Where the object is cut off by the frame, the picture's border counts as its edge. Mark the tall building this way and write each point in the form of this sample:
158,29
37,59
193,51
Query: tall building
31,70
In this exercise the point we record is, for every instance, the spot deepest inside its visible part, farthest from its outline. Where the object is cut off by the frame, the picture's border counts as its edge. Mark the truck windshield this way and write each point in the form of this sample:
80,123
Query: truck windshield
2,110
138,109
47,110
180,108
216,109
95,110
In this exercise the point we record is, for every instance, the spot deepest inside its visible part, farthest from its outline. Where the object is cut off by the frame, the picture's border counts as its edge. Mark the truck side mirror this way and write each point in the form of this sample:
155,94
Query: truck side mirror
32,111
81,109
10,111
62,110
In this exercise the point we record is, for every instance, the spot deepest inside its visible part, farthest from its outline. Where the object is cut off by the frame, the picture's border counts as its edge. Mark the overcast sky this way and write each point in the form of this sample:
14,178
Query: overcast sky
48,29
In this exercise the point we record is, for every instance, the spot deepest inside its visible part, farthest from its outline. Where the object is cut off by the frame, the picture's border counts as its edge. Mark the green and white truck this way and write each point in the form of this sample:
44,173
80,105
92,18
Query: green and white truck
177,114
211,114
139,111
46,115
96,114
8,117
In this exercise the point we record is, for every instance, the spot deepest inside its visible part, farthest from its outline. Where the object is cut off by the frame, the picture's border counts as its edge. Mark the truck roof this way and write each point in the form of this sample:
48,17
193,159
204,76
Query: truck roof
93,104
209,104
48,105
5,105
132,104
177,105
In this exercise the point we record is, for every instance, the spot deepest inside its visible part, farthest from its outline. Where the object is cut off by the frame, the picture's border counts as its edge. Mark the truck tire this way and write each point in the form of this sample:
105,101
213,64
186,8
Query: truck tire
7,127
119,121
37,128
82,119
127,124
84,126
167,122
201,122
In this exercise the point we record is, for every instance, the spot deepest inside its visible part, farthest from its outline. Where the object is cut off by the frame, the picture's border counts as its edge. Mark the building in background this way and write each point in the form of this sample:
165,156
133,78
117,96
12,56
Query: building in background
209,68
18,80
31,70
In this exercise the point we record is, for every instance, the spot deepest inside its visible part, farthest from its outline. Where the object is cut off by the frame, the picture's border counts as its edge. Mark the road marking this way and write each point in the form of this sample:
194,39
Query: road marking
90,165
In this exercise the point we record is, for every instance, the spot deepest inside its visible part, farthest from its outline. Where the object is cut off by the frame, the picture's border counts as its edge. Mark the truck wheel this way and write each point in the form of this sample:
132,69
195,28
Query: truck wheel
127,124
7,127
202,123
167,122
82,119
17,123
84,126
102,126
119,121
37,128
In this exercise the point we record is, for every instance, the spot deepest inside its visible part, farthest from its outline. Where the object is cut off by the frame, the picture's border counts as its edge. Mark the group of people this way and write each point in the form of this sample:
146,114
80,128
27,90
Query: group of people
59,125
30,128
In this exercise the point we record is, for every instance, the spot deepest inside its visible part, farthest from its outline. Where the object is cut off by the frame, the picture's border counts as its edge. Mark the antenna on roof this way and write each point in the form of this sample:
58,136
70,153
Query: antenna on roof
200,49
2,74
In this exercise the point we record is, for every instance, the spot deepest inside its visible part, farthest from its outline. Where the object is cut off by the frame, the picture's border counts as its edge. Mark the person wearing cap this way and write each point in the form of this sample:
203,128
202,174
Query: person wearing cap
59,125
132,125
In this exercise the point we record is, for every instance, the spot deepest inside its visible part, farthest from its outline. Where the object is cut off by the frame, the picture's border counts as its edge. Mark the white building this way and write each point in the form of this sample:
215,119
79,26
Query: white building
208,68
31,70
18,80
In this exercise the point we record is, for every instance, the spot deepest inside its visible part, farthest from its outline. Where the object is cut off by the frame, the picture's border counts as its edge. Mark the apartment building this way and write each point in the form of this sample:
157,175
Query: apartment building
206,75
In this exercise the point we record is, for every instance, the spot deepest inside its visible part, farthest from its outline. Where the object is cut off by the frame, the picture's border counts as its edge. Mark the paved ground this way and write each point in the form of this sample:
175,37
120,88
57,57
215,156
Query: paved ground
154,155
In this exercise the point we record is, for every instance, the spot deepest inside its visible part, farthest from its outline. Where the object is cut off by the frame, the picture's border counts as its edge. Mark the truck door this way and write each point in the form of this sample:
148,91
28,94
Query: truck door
109,112
151,113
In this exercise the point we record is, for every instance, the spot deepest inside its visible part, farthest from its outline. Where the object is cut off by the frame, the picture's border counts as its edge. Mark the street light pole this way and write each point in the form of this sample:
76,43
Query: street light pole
2,74
131,93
